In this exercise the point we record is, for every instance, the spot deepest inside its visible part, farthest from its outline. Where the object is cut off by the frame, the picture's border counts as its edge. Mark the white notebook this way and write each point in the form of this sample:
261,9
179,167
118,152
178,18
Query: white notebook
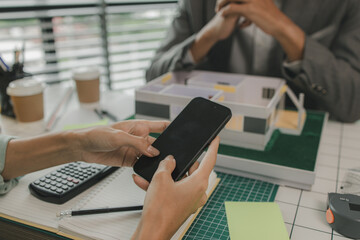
119,190
115,191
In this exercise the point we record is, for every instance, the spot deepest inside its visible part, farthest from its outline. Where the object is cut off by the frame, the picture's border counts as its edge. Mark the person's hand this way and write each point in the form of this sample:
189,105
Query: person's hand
167,203
264,13
270,19
121,144
221,26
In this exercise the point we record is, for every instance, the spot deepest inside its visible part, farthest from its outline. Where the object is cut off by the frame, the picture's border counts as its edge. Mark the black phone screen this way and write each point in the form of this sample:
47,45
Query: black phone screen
186,137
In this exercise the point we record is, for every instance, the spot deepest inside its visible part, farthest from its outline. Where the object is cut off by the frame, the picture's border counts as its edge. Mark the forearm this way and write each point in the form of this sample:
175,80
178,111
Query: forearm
32,154
146,229
291,38
204,41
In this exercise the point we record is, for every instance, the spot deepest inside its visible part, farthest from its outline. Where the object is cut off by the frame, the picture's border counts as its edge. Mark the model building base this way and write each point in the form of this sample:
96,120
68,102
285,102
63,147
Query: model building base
287,160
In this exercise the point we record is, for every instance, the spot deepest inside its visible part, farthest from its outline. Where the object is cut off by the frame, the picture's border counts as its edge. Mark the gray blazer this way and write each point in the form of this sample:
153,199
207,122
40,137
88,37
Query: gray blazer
330,70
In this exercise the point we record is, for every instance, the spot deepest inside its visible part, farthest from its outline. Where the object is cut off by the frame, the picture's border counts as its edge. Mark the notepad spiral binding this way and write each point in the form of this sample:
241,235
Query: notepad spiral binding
82,202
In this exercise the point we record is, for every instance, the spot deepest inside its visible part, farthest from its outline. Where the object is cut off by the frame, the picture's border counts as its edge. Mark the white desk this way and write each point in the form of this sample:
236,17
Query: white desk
303,211
120,104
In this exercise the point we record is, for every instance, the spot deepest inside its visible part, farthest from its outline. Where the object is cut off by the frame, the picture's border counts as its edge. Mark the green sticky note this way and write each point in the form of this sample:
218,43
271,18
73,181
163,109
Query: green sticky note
86,125
255,221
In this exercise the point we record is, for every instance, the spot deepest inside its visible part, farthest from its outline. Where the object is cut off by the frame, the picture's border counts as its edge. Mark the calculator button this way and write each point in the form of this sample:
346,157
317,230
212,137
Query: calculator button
58,179
47,180
64,182
59,190
53,173
84,165
52,177
53,183
53,188
75,181
85,175
58,174
65,187
64,176
59,184
81,178
42,179
47,186
48,176
42,184
69,179
70,184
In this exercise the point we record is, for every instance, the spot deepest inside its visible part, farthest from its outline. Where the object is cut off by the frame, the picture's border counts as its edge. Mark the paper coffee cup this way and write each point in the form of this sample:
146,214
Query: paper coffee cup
27,99
87,84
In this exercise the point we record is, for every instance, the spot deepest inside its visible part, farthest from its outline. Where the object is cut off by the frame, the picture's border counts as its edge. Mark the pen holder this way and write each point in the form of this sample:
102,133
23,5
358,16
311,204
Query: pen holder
5,78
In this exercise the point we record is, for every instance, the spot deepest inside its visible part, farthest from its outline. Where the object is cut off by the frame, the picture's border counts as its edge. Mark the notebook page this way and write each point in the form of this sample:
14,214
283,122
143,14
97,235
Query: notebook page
118,191
121,191
20,204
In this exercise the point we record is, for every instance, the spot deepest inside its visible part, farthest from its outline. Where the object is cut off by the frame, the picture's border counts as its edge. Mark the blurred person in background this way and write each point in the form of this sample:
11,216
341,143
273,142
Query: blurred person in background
313,44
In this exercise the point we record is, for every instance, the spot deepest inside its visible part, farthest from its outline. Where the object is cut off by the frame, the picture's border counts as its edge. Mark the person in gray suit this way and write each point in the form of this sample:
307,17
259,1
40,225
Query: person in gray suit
313,44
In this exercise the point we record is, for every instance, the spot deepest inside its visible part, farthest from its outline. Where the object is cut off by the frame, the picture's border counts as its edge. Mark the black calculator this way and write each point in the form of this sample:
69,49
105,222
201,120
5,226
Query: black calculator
68,181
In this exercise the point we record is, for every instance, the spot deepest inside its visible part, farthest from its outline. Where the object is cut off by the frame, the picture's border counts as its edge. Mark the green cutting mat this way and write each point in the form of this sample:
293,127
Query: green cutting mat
301,150
211,222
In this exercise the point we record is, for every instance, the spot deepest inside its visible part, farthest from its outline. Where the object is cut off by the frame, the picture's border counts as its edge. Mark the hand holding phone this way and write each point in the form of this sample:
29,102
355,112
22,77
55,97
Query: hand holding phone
186,137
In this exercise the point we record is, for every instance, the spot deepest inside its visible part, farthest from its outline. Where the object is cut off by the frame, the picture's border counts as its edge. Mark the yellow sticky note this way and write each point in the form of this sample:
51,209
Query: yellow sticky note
103,122
255,221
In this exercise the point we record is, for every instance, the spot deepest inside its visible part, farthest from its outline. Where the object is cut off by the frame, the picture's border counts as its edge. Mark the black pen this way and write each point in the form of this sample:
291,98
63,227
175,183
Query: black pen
109,115
98,113
69,213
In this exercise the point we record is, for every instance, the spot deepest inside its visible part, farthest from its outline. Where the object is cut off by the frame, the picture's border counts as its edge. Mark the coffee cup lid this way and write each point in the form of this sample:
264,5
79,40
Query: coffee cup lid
25,87
86,73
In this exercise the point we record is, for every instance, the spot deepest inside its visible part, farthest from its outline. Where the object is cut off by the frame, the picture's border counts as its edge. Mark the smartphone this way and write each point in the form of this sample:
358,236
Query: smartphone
186,137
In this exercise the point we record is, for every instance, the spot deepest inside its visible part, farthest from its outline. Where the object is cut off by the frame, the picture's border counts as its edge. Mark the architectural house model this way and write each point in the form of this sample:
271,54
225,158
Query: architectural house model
257,103
263,140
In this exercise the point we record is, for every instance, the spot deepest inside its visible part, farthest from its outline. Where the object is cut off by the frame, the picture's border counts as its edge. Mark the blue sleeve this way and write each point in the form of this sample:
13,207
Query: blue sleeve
5,186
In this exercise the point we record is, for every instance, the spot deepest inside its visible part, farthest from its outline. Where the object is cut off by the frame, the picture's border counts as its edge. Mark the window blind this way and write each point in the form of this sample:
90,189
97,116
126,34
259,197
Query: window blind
120,37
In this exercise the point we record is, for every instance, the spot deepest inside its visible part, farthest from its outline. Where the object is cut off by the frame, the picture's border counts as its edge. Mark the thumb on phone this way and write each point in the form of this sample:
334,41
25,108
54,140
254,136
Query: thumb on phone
166,166
164,170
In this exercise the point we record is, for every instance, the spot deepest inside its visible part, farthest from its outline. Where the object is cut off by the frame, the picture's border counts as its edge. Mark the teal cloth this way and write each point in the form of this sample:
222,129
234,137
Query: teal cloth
5,186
